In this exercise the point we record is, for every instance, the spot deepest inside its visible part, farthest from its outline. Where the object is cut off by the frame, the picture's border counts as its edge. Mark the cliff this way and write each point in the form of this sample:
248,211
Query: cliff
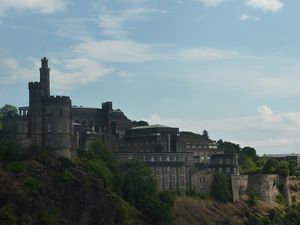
44,192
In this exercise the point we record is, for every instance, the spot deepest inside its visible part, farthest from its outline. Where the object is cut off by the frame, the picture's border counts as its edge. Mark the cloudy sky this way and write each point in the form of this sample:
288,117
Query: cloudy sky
229,66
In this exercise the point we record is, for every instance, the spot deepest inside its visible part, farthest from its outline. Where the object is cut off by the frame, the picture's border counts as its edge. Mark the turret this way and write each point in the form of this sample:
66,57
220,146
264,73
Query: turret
45,77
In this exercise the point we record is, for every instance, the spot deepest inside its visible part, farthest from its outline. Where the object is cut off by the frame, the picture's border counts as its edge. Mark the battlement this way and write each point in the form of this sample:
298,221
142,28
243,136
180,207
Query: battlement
34,85
57,99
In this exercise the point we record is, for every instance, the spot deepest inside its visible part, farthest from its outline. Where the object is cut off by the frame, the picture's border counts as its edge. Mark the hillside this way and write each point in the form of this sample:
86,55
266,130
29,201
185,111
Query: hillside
57,192
191,211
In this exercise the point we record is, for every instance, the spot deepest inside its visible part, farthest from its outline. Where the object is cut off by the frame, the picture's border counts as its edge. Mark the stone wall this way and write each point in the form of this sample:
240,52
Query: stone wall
201,181
239,185
265,186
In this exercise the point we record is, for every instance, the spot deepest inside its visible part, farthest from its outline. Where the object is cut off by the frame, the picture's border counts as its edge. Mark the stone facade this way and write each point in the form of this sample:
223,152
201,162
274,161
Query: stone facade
179,160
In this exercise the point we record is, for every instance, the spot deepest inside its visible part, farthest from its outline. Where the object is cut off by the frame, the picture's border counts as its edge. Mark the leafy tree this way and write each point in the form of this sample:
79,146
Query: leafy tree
138,181
220,188
249,152
140,123
229,147
270,166
9,108
205,134
155,211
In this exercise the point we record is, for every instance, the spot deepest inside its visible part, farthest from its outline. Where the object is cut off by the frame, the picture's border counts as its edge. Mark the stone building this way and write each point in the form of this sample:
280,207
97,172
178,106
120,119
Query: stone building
52,123
178,160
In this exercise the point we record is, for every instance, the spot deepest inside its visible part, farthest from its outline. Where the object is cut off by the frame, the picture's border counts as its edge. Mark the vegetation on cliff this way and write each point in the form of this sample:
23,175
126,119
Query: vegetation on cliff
93,189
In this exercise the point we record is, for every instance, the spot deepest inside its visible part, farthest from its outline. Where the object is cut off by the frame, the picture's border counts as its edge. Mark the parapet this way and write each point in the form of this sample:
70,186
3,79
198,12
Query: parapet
57,99
34,85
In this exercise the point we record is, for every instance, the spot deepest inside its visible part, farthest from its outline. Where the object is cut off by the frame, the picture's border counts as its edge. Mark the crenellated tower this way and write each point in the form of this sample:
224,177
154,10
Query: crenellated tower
49,116
45,77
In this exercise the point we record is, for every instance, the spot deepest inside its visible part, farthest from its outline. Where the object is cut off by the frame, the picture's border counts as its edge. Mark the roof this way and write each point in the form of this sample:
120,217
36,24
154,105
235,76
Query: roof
282,155
153,126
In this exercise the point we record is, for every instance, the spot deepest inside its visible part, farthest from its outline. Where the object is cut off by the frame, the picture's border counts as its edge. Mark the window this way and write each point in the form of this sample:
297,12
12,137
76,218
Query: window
49,128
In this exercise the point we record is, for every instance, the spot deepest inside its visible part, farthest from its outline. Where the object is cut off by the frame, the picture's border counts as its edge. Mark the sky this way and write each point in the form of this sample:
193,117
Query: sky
231,67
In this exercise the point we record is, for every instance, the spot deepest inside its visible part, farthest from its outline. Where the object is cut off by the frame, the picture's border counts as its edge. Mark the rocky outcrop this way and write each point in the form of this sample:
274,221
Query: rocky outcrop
54,193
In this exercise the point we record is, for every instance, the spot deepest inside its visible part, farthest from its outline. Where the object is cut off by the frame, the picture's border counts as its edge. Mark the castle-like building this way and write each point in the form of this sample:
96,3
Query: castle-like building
179,160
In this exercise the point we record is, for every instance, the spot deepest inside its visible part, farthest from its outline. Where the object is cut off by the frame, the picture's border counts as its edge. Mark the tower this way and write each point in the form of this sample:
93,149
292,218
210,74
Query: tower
49,116
45,77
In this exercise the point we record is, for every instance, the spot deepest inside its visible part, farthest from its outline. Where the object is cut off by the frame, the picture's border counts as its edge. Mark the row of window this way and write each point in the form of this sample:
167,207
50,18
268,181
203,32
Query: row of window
163,158
226,161
226,170
201,146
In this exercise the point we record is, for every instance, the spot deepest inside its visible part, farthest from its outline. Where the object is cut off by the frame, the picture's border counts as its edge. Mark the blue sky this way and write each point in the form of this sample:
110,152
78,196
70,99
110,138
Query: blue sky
229,66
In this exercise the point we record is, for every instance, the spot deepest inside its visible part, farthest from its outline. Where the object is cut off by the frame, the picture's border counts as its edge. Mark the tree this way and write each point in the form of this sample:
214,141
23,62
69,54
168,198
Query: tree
220,188
138,181
140,123
229,147
249,152
9,108
205,134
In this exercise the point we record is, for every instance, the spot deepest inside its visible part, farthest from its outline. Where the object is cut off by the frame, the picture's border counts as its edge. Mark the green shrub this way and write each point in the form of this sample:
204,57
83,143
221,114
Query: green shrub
31,183
195,194
122,215
252,196
155,211
7,216
64,176
46,218
16,167
220,188
98,167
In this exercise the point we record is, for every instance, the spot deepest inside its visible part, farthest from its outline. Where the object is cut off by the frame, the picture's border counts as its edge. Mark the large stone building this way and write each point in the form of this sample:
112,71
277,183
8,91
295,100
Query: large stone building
179,160
52,123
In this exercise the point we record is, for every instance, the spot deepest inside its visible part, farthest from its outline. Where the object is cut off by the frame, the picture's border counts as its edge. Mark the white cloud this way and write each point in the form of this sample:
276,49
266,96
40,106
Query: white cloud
119,51
245,17
41,6
264,111
206,54
131,51
72,73
65,73
113,23
266,5
11,71
73,28
210,3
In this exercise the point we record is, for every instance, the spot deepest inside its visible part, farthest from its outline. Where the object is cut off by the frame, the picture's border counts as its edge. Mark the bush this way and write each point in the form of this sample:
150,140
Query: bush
7,216
155,211
46,218
220,188
64,176
121,209
16,167
252,197
98,167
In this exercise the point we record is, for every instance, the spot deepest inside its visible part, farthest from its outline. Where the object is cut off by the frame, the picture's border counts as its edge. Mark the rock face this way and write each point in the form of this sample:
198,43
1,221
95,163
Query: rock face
54,193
